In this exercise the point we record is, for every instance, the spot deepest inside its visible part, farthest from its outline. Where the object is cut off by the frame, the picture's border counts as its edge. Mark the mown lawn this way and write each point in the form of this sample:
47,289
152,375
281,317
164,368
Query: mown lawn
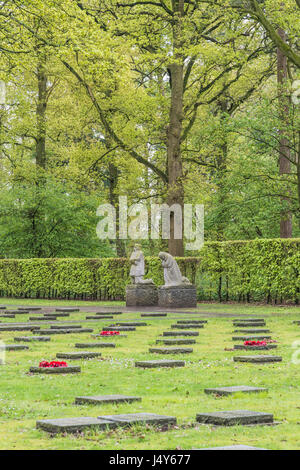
175,392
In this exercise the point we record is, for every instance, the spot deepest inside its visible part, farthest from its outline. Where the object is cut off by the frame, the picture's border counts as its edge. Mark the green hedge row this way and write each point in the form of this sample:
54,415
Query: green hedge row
258,270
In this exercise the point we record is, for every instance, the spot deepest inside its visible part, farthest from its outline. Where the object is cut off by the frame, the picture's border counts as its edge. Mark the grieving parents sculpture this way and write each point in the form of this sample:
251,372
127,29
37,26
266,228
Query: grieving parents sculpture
177,292
172,274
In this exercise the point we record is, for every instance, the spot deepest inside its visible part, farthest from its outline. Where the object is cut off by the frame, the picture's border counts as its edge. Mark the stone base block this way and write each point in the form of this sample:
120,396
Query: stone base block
141,295
184,296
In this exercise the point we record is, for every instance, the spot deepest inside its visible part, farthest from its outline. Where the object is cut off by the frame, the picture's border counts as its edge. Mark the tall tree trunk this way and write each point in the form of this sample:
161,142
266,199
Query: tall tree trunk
114,201
41,113
175,173
284,158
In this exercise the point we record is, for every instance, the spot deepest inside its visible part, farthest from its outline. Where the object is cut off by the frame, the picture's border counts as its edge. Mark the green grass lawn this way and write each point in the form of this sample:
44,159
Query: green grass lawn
175,392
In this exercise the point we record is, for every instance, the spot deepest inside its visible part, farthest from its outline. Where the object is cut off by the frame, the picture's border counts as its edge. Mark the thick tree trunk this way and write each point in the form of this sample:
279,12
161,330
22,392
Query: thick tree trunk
41,114
175,173
114,201
284,158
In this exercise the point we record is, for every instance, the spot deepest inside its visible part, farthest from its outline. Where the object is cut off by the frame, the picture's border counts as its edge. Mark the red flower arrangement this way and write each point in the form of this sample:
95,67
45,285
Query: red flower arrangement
255,343
53,364
109,333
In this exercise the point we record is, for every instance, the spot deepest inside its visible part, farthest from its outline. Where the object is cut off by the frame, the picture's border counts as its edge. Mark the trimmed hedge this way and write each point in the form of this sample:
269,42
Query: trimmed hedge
257,270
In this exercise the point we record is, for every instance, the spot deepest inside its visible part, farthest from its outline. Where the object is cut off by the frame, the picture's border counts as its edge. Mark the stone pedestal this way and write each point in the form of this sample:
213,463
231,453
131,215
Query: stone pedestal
183,296
141,295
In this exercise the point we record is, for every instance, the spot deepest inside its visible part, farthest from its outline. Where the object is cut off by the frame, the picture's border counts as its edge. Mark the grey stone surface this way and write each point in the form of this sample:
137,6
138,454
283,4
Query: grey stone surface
130,323
234,389
65,332
258,359
154,315
8,315
141,295
30,339
109,313
190,322
73,425
253,330
17,312
159,363
18,328
67,309
103,399
2,307
98,317
109,337
47,319
181,333
184,296
237,447
237,417
176,341
249,338
254,348
248,319
94,345
13,347
187,326
65,327
249,324
171,350
119,328
145,418
79,355
30,309
57,315
55,370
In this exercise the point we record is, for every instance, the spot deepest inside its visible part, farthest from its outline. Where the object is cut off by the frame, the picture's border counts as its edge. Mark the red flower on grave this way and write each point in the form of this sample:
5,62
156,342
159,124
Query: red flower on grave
255,343
109,333
53,364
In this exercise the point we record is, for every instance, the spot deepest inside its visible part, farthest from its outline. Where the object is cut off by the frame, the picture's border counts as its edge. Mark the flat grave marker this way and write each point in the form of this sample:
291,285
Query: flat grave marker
29,339
224,391
98,317
67,309
132,323
176,341
232,418
121,328
171,350
253,330
68,331
153,315
187,326
258,359
55,370
159,363
191,322
79,355
181,333
56,315
13,347
65,327
94,345
18,328
104,399
254,348
249,338
144,418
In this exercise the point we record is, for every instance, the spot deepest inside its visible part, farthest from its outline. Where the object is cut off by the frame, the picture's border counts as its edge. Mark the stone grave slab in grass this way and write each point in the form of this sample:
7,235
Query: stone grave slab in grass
8,315
181,333
249,338
73,425
159,363
130,323
42,319
144,418
121,328
18,328
55,370
13,347
176,341
103,399
67,309
247,325
30,309
56,315
235,389
17,312
78,355
191,322
248,319
29,339
237,447
2,307
65,327
253,330
65,332
187,326
237,417
258,359
171,350
154,315
255,348
109,337
98,317
94,345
